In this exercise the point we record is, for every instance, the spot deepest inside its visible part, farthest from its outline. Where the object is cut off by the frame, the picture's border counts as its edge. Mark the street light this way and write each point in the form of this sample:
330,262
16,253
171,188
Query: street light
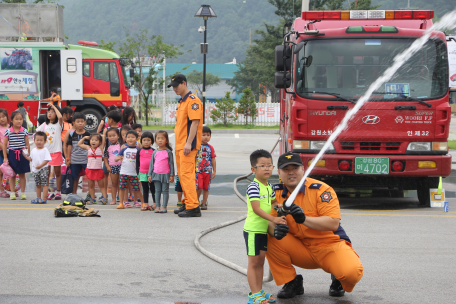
206,12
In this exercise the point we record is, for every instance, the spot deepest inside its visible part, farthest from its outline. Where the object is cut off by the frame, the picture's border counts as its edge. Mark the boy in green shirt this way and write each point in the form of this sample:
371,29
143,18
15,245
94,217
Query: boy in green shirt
260,199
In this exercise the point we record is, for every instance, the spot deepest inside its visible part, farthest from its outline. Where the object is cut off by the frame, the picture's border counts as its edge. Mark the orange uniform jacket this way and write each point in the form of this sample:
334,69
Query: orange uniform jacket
55,101
315,199
189,108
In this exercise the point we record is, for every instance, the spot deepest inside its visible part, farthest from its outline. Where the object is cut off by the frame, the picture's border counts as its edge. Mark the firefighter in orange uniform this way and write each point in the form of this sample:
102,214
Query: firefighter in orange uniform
313,237
188,132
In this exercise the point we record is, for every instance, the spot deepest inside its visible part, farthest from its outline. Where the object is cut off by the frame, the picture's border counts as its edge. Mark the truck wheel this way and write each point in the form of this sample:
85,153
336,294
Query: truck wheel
93,119
423,186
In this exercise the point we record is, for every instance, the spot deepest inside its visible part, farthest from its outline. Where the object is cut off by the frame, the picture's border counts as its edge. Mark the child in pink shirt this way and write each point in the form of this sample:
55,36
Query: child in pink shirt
161,170
113,147
3,127
145,156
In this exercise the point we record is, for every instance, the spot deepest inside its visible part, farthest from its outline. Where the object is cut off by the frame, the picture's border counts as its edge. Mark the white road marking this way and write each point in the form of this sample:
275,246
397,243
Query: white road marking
236,135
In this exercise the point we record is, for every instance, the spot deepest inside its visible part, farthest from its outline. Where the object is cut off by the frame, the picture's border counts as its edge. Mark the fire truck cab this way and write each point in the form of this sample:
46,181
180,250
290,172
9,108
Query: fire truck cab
399,138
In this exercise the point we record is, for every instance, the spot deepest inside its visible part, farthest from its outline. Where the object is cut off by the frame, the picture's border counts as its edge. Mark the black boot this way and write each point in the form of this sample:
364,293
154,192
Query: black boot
195,212
181,208
292,288
336,290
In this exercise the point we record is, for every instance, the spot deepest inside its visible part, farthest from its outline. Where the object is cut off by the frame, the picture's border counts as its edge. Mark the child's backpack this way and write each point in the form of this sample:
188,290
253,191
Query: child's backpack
7,171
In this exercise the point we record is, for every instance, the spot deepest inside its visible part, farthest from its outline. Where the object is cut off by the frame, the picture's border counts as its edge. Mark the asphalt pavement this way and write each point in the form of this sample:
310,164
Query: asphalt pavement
129,256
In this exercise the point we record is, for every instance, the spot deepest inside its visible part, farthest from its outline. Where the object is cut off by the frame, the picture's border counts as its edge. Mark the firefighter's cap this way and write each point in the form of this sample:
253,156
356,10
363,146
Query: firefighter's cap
289,159
177,80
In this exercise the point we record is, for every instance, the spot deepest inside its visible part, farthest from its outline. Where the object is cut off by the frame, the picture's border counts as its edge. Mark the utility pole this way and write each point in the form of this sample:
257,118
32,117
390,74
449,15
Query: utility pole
204,73
164,89
305,5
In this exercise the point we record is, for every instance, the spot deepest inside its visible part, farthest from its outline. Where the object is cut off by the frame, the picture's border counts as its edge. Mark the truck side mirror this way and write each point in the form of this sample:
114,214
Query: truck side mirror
282,80
132,73
283,58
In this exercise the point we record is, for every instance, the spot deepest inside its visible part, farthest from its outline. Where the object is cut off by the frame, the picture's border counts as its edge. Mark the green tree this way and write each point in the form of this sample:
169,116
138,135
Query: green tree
258,66
140,45
247,106
195,79
225,109
287,9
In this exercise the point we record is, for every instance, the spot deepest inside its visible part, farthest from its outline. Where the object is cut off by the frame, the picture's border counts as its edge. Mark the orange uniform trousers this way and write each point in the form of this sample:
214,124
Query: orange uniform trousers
337,258
186,170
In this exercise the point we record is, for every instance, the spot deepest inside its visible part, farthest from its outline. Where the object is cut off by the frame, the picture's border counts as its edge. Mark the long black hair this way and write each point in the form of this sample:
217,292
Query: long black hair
167,138
126,114
48,121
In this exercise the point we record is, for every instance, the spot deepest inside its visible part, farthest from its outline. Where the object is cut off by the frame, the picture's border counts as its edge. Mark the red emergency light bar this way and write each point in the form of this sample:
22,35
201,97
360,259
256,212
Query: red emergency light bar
82,42
373,14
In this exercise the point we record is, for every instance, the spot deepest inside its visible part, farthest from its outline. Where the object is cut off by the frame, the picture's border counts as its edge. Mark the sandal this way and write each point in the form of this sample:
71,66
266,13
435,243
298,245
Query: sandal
35,201
158,211
112,203
127,205
164,211
268,296
203,206
146,208
257,298
43,202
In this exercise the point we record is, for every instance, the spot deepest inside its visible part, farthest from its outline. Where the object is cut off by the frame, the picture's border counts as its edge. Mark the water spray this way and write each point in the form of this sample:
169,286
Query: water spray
447,21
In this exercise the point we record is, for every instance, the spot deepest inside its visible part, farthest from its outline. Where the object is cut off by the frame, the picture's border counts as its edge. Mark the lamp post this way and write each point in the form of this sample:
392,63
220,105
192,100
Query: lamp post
206,12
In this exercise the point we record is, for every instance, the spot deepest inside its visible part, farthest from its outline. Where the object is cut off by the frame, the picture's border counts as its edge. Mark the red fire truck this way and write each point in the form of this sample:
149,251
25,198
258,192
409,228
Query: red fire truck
34,59
399,138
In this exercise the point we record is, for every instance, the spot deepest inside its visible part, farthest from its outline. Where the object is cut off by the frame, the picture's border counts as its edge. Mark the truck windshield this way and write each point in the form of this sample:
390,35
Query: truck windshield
348,67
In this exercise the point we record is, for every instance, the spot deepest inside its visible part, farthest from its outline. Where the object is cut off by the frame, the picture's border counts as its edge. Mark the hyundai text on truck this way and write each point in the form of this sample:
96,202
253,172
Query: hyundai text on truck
35,59
398,140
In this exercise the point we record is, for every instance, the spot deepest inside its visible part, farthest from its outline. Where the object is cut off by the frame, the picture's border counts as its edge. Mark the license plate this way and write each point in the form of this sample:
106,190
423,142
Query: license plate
372,165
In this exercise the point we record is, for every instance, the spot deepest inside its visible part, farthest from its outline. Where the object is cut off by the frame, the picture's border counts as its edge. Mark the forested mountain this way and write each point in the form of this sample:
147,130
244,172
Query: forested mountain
228,34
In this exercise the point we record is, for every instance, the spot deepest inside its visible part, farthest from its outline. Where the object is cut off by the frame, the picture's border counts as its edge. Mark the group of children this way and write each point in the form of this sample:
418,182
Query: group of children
119,151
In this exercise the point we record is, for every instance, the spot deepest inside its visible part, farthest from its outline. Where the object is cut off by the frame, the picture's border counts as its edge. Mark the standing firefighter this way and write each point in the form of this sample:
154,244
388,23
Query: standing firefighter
188,132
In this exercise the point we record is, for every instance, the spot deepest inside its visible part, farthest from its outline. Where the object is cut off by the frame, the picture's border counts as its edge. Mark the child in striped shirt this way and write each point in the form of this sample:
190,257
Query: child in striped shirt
17,137
76,156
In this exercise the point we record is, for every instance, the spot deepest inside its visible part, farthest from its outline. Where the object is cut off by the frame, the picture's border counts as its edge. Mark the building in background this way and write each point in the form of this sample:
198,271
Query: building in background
224,71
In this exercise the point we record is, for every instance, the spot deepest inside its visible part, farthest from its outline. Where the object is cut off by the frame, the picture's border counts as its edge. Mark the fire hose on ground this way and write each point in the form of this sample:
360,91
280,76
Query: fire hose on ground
268,277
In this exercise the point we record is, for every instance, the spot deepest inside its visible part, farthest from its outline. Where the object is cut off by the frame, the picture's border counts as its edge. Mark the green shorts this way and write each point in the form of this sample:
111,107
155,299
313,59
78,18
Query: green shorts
255,242
143,177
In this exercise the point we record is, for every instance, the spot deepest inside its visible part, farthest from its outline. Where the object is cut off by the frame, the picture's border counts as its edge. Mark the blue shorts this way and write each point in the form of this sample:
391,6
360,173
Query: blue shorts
1,157
76,169
254,242
177,186
105,171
